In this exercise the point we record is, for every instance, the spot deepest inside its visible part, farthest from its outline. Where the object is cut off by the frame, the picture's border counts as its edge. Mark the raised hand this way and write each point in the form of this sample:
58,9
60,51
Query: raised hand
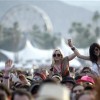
70,43
23,79
8,65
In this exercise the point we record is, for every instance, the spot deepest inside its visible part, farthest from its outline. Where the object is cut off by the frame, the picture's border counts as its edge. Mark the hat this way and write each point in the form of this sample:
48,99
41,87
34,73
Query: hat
57,76
86,79
53,91
68,79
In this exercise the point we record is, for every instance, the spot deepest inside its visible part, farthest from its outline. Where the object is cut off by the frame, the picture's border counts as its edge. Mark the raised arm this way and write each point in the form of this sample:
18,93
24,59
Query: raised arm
6,75
72,56
76,51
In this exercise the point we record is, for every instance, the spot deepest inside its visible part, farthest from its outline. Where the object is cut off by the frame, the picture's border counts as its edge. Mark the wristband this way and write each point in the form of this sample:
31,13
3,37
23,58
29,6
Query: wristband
6,77
73,48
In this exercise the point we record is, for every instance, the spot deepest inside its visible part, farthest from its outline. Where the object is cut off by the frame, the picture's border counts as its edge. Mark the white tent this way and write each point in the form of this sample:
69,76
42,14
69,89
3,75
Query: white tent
34,55
31,53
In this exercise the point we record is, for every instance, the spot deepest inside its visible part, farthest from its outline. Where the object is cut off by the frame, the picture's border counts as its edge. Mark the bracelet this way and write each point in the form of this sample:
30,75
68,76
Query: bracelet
73,48
6,77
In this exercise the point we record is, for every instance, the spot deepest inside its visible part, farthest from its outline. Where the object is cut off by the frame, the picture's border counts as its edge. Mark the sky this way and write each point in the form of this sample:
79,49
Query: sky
91,5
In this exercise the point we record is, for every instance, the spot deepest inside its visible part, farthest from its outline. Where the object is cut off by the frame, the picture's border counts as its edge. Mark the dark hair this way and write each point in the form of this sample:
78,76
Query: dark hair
3,96
5,89
18,85
88,88
76,86
34,88
68,79
93,57
82,71
78,77
49,80
21,92
71,69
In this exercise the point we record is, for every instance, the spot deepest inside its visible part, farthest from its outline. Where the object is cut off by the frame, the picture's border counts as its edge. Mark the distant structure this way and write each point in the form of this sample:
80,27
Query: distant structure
27,15
20,19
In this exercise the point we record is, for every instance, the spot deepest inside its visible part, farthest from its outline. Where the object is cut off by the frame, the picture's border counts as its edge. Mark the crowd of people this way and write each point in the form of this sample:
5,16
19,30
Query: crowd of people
60,82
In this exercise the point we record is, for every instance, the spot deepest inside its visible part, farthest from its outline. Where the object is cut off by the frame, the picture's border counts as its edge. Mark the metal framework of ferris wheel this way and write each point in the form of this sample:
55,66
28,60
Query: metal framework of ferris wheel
26,15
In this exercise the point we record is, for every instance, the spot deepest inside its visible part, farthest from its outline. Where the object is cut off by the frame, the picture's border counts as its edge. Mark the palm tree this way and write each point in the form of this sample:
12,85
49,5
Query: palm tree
1,33
96,19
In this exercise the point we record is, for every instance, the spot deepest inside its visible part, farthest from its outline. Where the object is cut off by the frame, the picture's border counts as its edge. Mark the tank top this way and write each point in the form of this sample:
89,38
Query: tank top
96,68
57,69
63,68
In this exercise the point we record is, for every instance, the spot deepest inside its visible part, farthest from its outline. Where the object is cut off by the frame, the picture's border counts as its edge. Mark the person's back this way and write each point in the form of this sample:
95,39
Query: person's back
21,95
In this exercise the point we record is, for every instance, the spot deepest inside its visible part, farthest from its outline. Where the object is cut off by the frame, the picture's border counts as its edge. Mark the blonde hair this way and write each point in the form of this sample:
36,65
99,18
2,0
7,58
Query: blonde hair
53,62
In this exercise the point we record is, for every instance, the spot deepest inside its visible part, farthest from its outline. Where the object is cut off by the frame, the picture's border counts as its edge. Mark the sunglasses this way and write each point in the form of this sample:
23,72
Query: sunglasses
96,49
56,55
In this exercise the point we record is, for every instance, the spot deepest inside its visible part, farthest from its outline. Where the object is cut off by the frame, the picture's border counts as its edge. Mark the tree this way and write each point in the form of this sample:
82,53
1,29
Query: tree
96,19
12,38
43,40
83,36
1,33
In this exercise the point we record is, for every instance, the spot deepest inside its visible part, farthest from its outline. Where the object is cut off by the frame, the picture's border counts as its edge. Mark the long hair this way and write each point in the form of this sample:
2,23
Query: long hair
53,62
93,57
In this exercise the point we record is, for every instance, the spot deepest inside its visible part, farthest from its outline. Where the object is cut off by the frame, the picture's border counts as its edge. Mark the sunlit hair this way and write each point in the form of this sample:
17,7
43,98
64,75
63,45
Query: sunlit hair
93,57
53,62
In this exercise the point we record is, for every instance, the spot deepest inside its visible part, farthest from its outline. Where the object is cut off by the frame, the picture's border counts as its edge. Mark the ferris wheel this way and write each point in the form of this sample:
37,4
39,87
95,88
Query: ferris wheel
24,17
27,15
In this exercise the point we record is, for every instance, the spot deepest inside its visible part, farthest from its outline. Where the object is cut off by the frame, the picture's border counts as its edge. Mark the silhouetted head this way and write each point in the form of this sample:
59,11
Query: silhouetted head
94,52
